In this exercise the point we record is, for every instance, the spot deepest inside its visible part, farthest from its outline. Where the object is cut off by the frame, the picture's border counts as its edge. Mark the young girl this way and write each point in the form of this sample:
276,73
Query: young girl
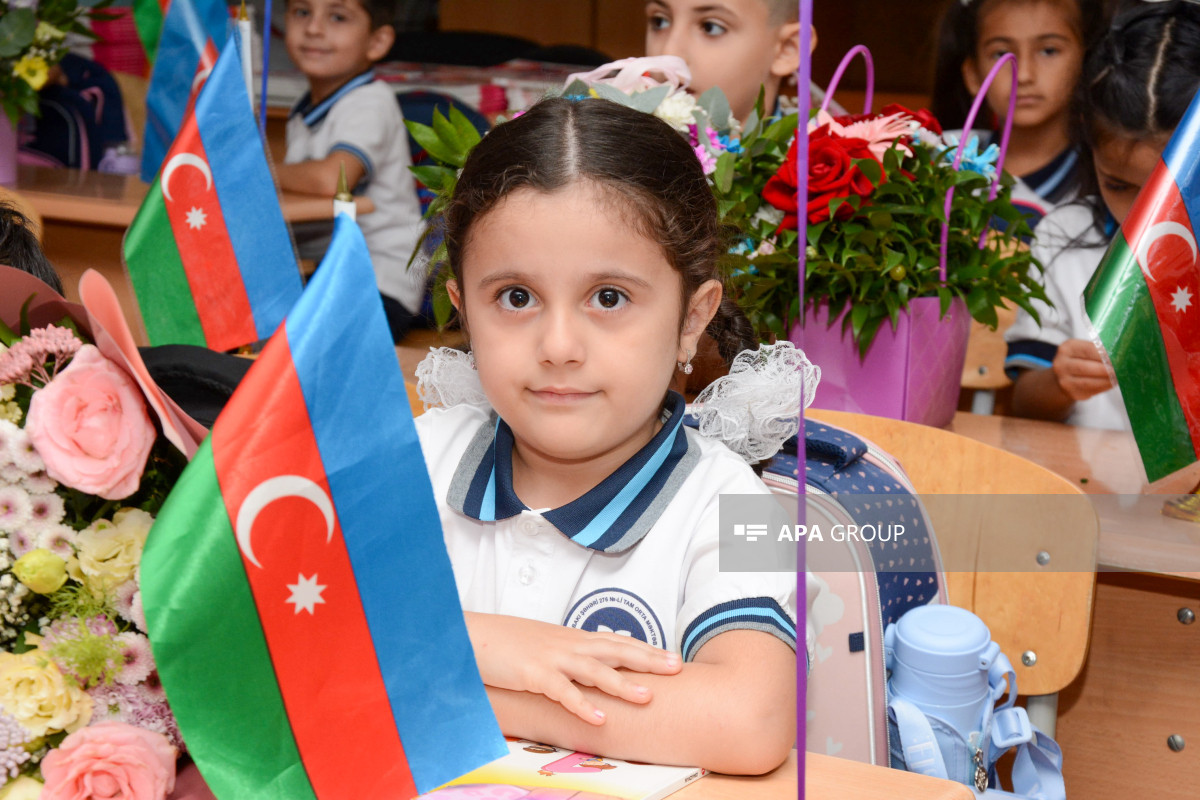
1137,83
580,517
1048,38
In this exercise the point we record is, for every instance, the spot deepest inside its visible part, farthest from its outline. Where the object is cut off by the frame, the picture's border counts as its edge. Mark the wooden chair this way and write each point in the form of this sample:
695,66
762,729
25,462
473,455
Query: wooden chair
1032,555
983,370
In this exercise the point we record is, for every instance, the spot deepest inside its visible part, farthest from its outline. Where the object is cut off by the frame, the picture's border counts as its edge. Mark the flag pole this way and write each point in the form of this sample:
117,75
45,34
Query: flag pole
246,35
343,201
266,58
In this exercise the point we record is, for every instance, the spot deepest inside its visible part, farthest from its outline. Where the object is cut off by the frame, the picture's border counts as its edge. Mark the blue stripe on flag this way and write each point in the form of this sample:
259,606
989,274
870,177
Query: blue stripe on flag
246,192
1183,162
187,27
358,405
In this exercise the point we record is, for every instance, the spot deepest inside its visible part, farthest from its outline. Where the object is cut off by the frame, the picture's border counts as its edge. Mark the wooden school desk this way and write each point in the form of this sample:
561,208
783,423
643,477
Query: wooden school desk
1138,688
85,215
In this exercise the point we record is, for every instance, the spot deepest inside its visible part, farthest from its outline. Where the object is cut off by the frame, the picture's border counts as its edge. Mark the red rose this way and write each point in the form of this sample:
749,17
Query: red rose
781,189
923,117
832,173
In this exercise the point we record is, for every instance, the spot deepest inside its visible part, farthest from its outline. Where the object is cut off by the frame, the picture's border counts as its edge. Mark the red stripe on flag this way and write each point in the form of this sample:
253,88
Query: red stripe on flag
305,590
1163,240
198,225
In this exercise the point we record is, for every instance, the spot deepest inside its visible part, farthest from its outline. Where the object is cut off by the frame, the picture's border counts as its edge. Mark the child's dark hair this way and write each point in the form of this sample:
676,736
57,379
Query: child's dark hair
1137,83
958,34
20,248
639,160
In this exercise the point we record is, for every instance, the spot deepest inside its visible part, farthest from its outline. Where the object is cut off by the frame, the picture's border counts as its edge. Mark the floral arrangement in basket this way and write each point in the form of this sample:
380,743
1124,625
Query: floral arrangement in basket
32,40
746,164
83,471
896,210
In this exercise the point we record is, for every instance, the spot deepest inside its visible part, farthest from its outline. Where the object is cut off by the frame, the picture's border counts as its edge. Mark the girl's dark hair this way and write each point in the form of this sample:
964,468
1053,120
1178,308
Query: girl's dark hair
957,37
19,247
644,165
1137,83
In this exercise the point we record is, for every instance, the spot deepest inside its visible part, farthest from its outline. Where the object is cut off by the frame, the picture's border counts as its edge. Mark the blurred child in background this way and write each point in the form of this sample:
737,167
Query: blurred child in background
349,120
1137,84
1049,38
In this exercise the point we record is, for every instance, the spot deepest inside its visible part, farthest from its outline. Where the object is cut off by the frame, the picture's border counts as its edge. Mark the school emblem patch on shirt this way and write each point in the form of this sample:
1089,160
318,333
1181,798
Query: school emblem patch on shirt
616,611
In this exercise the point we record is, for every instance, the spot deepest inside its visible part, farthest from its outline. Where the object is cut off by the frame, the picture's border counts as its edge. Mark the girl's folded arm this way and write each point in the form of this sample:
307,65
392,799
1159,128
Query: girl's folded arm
732,710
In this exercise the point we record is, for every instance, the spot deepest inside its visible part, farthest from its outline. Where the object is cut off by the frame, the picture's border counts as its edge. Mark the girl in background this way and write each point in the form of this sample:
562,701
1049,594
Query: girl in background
581,518
1137,84
1049,38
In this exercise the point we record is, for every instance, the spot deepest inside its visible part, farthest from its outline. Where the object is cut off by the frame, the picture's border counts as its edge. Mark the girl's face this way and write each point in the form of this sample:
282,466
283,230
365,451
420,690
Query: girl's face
1122,168
1049,58
574,321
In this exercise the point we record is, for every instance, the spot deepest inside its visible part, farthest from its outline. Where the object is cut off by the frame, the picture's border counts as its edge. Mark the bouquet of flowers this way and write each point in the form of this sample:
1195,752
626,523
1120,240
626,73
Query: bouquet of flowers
877,188
32,40
745,163
83,471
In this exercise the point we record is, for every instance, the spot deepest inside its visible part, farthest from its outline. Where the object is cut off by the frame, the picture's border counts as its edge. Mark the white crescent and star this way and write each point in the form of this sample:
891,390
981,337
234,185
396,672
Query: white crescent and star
274,489
184,160
200,78
1156,232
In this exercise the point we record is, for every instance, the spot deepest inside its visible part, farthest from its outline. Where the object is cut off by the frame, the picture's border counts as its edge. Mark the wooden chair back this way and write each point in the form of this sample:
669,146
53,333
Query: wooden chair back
1044,610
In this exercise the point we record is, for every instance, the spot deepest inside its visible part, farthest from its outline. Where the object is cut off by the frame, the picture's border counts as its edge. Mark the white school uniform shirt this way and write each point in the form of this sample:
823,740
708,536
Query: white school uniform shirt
646,567
363,118
1070,249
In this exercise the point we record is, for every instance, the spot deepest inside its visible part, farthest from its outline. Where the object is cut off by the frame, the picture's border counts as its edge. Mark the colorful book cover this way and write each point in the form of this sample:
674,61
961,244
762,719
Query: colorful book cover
533,771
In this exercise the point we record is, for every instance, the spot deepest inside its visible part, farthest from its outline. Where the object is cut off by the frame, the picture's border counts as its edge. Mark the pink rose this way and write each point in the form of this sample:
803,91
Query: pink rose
110,761
91,428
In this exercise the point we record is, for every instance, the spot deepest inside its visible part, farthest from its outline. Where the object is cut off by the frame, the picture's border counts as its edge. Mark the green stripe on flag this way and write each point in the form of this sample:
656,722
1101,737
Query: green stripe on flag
1119,305
159,280
210,649
148,18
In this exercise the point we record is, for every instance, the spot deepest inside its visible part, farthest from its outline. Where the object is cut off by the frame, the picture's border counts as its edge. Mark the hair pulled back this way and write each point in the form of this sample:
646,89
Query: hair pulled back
645,167
958,35
1137,82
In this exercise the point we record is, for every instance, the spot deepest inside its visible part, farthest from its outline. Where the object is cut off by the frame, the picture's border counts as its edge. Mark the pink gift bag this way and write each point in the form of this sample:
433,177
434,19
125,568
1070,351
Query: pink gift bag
910,373
913,371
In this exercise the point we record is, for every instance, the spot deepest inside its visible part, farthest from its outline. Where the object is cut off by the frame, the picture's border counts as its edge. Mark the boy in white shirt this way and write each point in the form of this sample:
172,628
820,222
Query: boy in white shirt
349,120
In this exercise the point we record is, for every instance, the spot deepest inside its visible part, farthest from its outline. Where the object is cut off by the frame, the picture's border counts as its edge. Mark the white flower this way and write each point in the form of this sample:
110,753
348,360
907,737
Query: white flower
58,539
7,390
676,110
47,510
16,510
136,661
769,214
123,596
21,542
9,432
22,455
38,483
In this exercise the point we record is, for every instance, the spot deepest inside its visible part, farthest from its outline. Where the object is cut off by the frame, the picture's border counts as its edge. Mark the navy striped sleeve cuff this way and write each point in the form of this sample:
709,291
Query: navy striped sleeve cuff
1028,354
752,613
362,157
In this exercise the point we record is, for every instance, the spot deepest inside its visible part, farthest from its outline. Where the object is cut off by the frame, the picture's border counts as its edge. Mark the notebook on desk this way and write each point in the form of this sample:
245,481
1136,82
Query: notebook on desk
533,771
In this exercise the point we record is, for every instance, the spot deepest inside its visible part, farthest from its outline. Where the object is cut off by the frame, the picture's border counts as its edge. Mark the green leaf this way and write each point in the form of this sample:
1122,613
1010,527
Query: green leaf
870,168
607,92
716,105
429,140
446,132
723,174
432,176
16,31
650,99
468,134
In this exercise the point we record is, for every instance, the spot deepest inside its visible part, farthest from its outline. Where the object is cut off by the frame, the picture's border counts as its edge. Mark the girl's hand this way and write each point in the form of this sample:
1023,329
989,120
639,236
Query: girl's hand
1079,370
529,656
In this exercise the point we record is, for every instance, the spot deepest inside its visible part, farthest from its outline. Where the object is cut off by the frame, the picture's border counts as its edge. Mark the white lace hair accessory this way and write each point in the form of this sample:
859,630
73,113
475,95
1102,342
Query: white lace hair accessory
755,408
447,377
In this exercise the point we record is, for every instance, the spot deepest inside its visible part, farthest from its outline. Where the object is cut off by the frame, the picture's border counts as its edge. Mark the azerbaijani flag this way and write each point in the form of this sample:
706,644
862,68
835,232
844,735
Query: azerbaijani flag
209,253
188,31
300,600
1144,303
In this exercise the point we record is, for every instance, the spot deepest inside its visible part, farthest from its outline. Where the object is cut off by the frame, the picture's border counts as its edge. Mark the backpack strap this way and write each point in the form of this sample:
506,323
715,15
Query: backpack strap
918,745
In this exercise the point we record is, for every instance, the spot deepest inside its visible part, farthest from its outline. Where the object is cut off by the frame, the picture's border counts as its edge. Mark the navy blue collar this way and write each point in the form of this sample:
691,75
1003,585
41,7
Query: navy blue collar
314,114
610,518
